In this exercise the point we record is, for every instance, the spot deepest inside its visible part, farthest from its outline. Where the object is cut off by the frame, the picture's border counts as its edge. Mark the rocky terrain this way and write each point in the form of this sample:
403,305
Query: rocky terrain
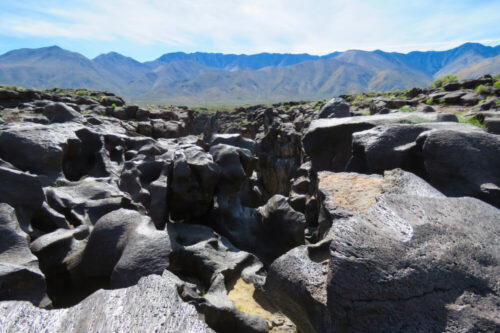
376,212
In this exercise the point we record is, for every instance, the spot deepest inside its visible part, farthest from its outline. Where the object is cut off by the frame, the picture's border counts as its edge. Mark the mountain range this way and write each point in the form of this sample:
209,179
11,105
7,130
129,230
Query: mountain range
215,79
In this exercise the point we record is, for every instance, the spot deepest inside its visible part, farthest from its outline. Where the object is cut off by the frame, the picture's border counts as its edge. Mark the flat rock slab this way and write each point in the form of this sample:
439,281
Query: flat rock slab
153,305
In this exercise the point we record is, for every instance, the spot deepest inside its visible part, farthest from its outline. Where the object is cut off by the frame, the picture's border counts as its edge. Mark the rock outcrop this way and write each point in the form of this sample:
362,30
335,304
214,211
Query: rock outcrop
297,216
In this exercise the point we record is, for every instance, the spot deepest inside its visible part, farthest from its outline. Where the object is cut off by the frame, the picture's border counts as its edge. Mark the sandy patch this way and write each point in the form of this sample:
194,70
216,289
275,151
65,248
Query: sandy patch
354,191
248,300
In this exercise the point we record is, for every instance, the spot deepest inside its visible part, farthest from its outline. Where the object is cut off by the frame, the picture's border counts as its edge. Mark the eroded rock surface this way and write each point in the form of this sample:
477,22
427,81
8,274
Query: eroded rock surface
287,217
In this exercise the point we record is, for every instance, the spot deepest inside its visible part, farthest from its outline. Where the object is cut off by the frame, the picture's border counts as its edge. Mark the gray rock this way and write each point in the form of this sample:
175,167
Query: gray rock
20,189
401,267
233,139
110,100
394,146
20,276
453,97
335,108
328,142
86,201
283,224
492,125
153,305
194,177
458,163
236,164
426,109
107,241
42,146
431,265
295,283
470,99
146,252
60,113
201,254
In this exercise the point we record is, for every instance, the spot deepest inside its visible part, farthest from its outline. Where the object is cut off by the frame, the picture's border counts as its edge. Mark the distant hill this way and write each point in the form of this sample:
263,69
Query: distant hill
486,66
214,78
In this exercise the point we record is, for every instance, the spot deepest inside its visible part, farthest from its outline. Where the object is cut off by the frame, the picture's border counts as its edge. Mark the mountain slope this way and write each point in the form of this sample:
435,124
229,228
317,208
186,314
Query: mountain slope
487,66
439,63
118,68
234,62
214,78
51,67
307,80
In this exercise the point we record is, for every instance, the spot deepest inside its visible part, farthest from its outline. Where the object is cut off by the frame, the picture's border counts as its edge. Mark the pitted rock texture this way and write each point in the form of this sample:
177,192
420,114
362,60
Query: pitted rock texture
284,217
153,305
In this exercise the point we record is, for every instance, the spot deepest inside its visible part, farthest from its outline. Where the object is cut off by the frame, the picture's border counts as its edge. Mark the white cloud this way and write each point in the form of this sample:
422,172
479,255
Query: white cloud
315,26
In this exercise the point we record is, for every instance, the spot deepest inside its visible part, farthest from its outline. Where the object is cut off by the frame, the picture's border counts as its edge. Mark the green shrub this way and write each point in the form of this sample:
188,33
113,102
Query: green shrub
472,121
405,108
481,89
430,101
444,80
113,105
497,84
81,92
441,100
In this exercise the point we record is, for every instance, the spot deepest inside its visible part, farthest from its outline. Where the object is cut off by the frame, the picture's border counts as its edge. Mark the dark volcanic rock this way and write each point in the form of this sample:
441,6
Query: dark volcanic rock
152,305
194,177
60,113
395,146
420,269
329,142
392,266
459,163
335,108
20,276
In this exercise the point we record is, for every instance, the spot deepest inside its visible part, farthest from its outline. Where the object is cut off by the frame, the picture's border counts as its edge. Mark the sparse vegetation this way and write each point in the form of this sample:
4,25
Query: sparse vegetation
406,108
496,84
481,89
81,92
430,101
444,81
466,120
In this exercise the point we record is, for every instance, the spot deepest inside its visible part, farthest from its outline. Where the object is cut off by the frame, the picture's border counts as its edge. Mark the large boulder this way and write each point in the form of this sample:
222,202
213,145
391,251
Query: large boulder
124,246
463,163
60,113
387,147
335,108
279,155
43,147
427,266
20,188
153,305
194,178
236,164
20,276
328,142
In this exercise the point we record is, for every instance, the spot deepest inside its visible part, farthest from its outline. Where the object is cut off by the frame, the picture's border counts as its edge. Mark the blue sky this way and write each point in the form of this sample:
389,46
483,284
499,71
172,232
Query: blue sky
147,29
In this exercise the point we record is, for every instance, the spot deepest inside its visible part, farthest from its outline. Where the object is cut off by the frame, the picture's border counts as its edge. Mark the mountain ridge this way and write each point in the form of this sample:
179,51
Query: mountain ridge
215,78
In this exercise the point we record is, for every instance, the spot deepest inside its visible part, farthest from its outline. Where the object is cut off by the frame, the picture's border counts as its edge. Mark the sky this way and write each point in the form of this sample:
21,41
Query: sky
147,29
